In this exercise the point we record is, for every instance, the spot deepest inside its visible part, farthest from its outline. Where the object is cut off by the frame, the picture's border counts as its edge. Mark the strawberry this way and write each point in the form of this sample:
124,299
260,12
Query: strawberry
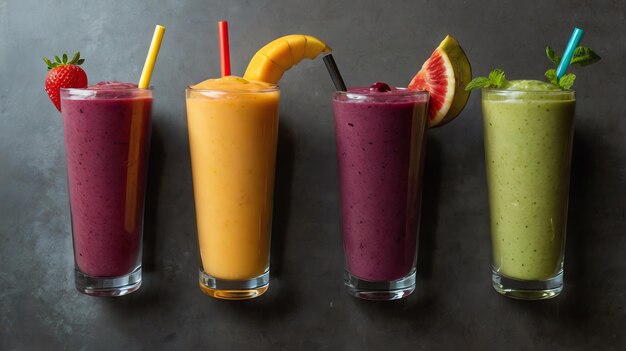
64,74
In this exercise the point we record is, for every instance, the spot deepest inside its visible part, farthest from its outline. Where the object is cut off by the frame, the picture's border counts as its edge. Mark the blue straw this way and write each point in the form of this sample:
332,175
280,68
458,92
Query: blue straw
569,52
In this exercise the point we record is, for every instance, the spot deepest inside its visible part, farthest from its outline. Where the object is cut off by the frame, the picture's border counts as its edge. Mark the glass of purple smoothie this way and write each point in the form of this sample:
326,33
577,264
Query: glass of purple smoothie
107,130
380,134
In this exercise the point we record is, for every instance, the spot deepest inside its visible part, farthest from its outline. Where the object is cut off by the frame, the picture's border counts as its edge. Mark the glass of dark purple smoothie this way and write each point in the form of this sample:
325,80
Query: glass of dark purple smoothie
107,138
380,135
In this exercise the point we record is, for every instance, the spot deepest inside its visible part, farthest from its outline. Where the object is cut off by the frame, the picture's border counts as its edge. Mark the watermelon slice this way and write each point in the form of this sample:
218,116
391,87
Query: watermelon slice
444,75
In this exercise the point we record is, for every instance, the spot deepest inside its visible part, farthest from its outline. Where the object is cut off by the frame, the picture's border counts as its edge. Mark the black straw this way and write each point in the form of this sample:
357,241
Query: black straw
334,73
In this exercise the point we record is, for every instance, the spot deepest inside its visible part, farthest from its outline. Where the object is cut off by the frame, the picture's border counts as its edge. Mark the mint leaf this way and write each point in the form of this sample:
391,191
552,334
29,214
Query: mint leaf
552,56
567,81
551,75
478,83
496,77
584,56
564,83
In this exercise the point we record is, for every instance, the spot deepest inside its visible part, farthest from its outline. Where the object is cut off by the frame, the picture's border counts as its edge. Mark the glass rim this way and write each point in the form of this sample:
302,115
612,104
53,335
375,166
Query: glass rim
273,88
106,94
402,94
398,92
535,91
125,90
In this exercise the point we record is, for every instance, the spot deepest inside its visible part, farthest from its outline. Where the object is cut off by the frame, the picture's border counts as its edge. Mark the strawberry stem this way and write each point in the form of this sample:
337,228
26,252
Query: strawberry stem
76,60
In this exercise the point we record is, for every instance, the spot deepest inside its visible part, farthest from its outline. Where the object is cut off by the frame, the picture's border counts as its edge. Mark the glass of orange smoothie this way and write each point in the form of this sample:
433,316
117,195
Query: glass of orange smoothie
233,132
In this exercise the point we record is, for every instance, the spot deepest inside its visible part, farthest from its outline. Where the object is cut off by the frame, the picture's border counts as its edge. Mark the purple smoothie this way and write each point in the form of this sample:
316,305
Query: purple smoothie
107,138
380,137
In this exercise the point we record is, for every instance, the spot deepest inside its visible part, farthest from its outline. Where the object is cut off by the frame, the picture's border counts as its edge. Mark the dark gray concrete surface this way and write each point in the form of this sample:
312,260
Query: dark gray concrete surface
454,306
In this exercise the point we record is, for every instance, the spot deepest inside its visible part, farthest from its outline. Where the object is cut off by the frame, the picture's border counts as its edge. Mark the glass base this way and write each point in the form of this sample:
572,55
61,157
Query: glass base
108,286
527,289
234,289
379,291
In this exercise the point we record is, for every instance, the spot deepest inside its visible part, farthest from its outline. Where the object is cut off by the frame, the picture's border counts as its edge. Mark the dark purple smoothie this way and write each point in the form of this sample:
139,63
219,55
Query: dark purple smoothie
380,140
107,138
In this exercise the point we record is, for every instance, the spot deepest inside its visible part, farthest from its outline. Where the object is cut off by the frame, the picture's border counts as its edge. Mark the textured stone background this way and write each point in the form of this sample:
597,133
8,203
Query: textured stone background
454,306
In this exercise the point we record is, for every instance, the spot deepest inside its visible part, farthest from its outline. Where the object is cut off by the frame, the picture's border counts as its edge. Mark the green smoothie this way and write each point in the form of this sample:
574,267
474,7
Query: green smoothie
528,128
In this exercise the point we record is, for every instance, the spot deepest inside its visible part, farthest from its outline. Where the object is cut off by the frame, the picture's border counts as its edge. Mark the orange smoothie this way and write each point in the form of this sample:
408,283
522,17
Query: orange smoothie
233,131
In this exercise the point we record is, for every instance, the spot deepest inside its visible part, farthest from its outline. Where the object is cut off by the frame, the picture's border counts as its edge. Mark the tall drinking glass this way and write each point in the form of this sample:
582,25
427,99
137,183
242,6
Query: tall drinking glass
107,139
380,151
232,137
528,146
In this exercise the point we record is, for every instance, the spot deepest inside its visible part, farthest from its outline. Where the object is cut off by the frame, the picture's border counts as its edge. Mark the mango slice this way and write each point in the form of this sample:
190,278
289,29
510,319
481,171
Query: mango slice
296,44
263,69
279,53
272,60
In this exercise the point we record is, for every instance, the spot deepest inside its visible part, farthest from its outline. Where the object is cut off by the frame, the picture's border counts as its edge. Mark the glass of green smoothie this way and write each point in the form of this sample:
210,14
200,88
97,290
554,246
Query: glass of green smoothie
528,130
529,127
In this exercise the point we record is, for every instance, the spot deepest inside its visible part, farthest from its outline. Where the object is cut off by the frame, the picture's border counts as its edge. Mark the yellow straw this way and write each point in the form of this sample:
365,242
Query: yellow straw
144,81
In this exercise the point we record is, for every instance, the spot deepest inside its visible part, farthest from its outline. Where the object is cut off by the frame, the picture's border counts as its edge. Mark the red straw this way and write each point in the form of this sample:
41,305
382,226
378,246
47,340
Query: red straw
224,49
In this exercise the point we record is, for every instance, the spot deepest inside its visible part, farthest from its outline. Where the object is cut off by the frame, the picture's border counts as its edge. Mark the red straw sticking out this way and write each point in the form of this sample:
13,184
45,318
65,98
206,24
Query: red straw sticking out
224,49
